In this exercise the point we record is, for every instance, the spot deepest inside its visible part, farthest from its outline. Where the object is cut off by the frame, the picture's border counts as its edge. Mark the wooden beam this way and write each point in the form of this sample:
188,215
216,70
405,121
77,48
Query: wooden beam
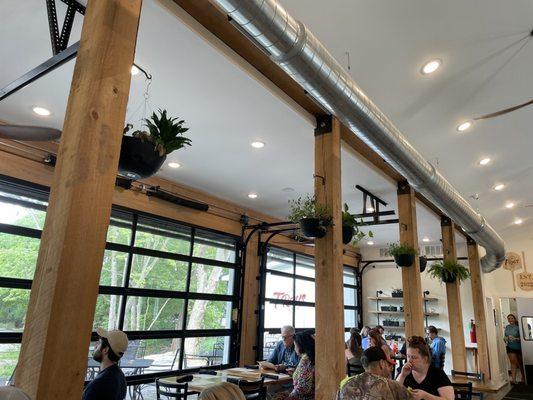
330,364
453,297
412,286
478,299
65,287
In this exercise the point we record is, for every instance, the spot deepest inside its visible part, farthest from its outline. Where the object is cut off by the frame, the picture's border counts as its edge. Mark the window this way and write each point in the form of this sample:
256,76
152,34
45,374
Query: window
289,296
171,287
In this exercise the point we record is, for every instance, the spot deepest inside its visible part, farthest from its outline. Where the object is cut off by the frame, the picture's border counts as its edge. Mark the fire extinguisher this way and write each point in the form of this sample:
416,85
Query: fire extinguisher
472,332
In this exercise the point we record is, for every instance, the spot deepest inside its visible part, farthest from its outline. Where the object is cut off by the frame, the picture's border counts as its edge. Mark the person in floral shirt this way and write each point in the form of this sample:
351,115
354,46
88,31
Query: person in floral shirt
304,374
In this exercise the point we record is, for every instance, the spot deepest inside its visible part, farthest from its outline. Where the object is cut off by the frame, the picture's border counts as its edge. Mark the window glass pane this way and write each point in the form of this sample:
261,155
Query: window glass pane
14,212
211,279
13,306
214,246
305,266
349,318
18,256
106,312
279,260
113,268
349,297
270,341
9,355
163,236
208,314
153,313
279,287
120,228
206,351
305,291
304,317
349,276
158,273
277,315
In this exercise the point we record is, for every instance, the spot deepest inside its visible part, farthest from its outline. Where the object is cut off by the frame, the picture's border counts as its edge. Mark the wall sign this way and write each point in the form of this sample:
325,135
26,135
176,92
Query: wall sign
525,279
513,261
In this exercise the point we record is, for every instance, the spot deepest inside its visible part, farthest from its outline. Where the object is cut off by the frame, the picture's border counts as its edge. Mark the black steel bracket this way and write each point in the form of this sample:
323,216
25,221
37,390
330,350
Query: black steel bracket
403,187
60,42
324,124
445,221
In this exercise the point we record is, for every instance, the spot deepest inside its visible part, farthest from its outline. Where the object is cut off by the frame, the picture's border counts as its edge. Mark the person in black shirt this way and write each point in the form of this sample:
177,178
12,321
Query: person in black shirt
110,383
424,381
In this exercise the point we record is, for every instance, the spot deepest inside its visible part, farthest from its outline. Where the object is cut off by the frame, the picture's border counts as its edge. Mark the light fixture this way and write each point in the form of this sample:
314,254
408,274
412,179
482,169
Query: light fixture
518,221
484,161
499,187
174,165
509,205
370,243
370,209
134,70
252,195
43,112
463,126
431,66
426,239
257,144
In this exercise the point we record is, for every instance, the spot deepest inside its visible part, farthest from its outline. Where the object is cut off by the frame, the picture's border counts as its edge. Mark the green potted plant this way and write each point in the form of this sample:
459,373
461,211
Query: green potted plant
397,292
314,218
448,271
350,227
143,153
423,262
404,255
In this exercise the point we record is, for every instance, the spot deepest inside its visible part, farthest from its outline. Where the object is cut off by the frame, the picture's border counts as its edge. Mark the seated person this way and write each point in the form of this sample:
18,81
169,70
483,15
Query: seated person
284,355
365,339
437,347
353,349
303,378
374,382
376,340
426,381
222,391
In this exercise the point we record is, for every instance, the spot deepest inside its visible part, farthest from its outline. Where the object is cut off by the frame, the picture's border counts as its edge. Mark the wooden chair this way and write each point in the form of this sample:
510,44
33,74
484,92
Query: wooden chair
178,390
462,391
480,377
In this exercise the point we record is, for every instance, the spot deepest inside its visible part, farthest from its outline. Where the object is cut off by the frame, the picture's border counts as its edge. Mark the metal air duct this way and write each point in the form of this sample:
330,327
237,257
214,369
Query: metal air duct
299,53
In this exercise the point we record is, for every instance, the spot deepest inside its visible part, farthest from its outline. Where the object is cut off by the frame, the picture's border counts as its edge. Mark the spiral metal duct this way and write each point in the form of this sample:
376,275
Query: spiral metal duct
299,53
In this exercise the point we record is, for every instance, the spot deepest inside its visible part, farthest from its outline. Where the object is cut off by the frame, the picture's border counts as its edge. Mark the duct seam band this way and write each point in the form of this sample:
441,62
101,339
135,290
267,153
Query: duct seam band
297,48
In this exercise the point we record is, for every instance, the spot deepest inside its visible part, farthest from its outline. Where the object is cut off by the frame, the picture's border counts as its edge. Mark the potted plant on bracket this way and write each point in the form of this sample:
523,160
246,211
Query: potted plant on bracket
314,218
448,271
143,153
404,255
350,227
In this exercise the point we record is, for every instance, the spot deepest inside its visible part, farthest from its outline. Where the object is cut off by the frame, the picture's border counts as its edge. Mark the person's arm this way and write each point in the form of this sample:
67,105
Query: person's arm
445,393
406,370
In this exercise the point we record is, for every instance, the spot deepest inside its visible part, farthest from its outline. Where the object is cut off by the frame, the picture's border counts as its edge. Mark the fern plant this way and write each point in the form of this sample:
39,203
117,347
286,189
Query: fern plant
448,271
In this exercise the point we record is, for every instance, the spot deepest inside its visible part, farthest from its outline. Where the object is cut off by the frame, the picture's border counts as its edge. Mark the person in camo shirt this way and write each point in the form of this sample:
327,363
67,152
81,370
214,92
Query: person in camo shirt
374,382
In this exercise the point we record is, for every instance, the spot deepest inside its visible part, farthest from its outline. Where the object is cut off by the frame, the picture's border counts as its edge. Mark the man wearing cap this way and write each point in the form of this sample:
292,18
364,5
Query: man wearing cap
110,383
374,382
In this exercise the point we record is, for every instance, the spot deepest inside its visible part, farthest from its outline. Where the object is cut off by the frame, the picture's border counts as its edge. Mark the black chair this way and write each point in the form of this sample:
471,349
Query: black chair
178,390
480,377
253,390
462,391
353,370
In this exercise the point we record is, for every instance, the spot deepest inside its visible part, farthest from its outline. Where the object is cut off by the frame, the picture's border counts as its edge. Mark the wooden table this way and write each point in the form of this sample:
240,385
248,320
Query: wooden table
492,386
201,381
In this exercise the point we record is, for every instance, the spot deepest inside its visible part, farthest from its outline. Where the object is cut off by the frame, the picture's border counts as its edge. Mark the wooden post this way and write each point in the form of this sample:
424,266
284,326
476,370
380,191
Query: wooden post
453,296
330,365
55,343
412,287
479,308
249,304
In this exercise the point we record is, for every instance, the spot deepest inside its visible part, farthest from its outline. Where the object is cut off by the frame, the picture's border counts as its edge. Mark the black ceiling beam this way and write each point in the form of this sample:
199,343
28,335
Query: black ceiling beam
371,195
373,214
385,222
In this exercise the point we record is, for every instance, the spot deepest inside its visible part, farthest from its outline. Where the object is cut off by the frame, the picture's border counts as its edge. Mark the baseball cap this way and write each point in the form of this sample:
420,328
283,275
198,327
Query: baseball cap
118,340
12,393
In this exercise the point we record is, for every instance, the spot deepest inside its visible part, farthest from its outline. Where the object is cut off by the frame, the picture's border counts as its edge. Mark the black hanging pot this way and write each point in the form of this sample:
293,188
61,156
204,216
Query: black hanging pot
138,159
423,262
312,228
448,277
347,234
404,260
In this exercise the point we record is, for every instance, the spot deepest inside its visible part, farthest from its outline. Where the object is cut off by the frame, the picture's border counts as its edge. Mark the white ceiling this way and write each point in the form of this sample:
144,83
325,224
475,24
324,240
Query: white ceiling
388,41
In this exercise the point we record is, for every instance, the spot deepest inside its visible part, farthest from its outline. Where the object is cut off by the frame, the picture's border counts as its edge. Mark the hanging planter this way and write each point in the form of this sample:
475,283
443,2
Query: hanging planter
350,228
404,255
313,218
448,271
423,262
347,234
143,153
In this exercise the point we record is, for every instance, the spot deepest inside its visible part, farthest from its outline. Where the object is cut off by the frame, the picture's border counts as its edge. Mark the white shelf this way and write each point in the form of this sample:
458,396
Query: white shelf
429,314
400,298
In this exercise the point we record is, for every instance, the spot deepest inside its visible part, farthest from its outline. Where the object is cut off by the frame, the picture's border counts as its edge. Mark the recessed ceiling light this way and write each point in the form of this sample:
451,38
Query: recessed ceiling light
463,126
518,221
509,205
484,161
252,195
44,112
257,144
426,239
370,243
134,70
174,165
431,66
499,187
370,209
